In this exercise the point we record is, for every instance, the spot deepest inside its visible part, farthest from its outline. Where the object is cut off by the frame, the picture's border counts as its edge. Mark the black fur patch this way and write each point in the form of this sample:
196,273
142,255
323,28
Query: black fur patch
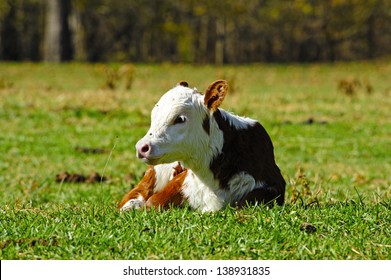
206,124
248,150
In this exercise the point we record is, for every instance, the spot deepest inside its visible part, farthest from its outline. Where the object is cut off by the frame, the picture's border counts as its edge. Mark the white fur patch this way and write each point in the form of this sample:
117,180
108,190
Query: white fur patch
237,121
164,173
200,196
206,199
240,185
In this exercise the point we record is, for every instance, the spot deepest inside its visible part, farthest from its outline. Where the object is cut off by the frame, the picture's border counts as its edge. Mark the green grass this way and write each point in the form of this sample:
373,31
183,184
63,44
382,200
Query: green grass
337,168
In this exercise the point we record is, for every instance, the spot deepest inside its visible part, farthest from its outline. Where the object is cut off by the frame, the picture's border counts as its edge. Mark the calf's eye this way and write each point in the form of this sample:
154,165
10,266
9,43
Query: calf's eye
179,119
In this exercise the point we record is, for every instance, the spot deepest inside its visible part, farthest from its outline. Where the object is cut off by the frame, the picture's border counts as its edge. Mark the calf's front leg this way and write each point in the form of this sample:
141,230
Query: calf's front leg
171,194
137,197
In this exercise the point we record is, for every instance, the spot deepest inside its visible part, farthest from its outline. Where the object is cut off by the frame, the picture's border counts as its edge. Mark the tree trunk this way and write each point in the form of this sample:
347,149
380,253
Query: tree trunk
1,42
219,45
10,44
203,39
371,36
58,45
78,42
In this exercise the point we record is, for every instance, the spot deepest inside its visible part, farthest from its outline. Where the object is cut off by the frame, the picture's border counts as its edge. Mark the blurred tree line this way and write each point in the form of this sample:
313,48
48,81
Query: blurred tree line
194,31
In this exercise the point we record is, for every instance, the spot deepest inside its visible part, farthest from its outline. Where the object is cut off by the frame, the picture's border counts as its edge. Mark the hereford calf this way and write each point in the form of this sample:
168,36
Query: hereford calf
204,155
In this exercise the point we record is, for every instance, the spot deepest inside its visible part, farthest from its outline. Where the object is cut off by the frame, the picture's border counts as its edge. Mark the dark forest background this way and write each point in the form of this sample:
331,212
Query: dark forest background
194,31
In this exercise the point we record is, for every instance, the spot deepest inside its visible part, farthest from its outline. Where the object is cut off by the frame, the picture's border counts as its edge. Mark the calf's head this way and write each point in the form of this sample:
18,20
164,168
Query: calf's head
180,125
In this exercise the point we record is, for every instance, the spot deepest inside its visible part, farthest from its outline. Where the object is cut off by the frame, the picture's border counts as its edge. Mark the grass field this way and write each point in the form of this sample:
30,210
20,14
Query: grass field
333,146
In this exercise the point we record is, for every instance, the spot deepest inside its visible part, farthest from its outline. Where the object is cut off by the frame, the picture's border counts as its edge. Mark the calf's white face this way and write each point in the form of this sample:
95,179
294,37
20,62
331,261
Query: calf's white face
176,132
176,127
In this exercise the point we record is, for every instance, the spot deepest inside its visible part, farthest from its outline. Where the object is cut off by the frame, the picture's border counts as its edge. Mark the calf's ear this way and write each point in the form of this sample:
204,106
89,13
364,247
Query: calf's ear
215,94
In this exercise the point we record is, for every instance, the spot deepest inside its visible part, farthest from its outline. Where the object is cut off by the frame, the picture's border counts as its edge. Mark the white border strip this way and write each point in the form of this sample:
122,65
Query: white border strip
180,269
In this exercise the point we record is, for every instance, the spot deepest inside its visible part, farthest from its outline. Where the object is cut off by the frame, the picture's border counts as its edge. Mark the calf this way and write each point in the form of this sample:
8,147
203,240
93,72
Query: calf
203,155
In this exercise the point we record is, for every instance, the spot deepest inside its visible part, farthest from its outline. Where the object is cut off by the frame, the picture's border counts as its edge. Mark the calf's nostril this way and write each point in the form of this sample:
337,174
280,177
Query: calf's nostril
145,148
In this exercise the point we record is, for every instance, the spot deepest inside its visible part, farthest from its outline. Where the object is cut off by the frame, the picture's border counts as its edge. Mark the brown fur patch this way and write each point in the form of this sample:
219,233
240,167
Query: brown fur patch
215,94
171,194
144,187
178,169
